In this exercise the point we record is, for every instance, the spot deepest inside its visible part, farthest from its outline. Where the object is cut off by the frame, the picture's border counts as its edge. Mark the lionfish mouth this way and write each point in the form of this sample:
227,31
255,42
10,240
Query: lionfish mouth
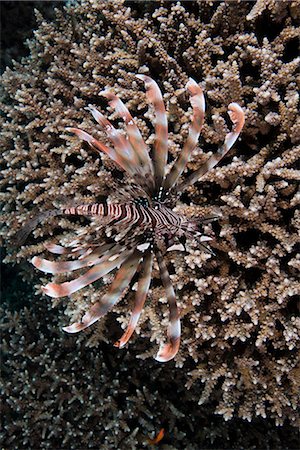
144,227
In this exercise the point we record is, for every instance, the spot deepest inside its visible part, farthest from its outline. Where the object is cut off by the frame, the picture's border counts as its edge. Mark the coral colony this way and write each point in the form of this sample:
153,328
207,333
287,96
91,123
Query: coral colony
240,327
145,225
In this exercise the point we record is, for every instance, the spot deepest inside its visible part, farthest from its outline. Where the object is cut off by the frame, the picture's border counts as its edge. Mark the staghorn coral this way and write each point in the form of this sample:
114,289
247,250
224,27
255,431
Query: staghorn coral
117,401
238,310
278,10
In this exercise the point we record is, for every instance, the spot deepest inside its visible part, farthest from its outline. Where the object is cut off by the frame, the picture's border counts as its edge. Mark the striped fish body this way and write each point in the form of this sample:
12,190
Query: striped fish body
156,218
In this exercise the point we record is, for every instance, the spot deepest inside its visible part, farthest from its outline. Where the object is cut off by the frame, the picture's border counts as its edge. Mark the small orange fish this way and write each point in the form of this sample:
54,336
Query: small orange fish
157,438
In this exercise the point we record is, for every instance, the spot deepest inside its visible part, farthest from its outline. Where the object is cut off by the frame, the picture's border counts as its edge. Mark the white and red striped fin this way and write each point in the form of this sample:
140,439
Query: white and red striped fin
57,249
68,266
160,154
94,143
97,145
140,298
115,155
122,146
168,351
134,136
237,117
126,156
99,309
107,264
70,251
198,104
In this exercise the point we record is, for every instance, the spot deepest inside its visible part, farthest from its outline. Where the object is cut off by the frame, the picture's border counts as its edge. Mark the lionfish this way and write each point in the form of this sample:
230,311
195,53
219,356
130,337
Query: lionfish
145,225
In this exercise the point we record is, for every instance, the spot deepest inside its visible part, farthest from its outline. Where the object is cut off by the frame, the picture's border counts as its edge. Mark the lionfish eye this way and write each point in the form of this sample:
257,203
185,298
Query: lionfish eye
142,201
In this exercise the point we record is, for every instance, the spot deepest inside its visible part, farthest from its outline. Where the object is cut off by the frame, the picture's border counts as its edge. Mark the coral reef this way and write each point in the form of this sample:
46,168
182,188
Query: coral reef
57,394
239,310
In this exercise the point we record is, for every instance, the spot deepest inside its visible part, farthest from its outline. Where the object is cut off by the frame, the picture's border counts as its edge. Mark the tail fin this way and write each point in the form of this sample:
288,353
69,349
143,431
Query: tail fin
21,235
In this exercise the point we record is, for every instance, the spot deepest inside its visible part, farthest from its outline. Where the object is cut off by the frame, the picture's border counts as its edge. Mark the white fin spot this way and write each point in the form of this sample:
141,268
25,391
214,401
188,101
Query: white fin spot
179,247
205,239
112,258
143,247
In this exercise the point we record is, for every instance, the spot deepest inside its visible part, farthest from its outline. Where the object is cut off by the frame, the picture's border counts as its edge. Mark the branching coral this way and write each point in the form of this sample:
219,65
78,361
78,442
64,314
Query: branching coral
117,401
239,309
